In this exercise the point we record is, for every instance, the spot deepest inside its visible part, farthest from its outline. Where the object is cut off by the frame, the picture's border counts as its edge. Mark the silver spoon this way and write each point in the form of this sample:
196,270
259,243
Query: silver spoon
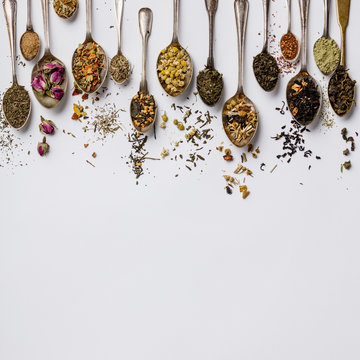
239,115
289,33
79,78
303,77
48,99
15,89
328,43
29,33
71,15
211,93
175,44
119,73
141,124
264,56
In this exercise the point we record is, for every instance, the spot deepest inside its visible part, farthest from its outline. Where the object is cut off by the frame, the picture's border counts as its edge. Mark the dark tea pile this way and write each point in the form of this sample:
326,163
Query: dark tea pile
341,91
210,85
266,71
142,111
303,100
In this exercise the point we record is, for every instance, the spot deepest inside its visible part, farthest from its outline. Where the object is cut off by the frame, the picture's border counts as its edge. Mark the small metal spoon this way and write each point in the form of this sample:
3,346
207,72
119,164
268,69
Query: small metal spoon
241,14
72,14
265,47
10,16
325,35
29,29
89,38
304,12
211,7
48,57
175,42
295,59
119,6
145,25
343,11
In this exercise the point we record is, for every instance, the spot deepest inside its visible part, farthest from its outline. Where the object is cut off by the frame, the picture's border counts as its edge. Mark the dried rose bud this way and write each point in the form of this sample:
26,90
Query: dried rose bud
228,157
43,147
47,126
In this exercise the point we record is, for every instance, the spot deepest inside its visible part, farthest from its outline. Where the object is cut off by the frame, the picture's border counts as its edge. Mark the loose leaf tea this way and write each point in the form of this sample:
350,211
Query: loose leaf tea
16,105
87,67
65,8
209,85
303,99
266,71
341,91
29,44
142,111
327,55
240,121
289,46
119,68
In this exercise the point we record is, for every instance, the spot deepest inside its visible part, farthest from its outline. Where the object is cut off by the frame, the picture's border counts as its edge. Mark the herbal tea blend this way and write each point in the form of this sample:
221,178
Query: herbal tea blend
266,70
240,121
16,105
89,63
65,8
304,100
29,44
119,68
143,110
341,91
289,46
327,55
209,85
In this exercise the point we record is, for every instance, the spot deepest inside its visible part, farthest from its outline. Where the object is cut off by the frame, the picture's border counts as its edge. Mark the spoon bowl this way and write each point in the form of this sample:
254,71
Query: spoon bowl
296,58
68,17
134,112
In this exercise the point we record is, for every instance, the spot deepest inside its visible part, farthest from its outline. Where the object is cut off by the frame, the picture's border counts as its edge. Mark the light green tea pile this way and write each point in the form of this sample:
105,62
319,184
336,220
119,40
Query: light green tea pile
327,55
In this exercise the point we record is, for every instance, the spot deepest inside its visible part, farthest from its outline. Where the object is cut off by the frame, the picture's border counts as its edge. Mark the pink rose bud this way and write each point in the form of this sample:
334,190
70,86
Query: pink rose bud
57,93
39,83
56,78
43,147
47,126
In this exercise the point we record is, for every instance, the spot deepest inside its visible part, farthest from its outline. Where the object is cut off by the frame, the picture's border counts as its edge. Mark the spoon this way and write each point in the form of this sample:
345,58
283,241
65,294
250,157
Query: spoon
340,106
143,99
119,65
47,97
209,81
29,34
305,111
239,115
289,34
326,46
77,61
20,105
60,7
265,66
182,84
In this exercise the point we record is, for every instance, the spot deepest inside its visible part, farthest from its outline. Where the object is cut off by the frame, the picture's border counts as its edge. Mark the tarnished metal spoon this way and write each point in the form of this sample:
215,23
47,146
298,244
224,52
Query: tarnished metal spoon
48,57
236,128
29,32
10,16
303,74
145,25
175,43
63,5
88,39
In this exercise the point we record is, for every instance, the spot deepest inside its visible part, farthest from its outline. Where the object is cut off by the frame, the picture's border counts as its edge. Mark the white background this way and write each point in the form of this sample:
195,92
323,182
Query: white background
93,266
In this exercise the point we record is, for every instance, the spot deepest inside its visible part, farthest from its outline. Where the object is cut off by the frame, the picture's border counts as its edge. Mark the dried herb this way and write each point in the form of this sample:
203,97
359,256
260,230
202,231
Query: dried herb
289,46
326,54
119,68
341,91
29,44
266,71
143,111
303,99
210,85
65,8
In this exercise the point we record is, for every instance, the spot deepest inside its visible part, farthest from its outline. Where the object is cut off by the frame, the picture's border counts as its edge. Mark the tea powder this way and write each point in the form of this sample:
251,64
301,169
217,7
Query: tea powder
327,55
29,44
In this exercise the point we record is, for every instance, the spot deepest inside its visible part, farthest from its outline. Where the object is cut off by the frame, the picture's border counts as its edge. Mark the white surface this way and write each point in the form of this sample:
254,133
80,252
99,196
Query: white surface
94,267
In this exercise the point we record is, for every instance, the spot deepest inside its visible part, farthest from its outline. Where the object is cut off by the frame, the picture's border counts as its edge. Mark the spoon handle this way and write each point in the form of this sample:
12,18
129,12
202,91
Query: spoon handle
145,25
29,26
343,11
175,38
45,12
211,7
289,15
266,21
119,7
304,14
10,16
241,14
88,19
326,18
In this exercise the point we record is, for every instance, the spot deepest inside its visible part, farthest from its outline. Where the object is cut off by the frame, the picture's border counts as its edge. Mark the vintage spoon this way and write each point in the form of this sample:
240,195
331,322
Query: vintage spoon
88,39
175,43
29,33
44,99
267,83
240,135
343,10
145,25
210,76
71,15
303,75
295,59
327,41
10,16
119,73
